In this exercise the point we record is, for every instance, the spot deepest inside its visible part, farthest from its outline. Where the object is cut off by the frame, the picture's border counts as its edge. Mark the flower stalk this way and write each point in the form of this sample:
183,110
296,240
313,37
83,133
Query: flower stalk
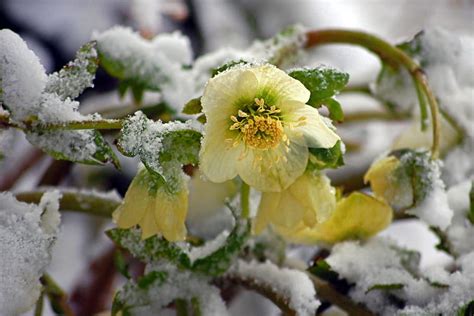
394,57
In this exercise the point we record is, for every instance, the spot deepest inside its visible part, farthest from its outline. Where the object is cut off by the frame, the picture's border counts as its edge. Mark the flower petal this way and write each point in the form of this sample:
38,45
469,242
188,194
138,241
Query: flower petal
148,224
222,91
268,203
359,216
277,83
170,215
315,193
273,170
136,202
316,133
218,159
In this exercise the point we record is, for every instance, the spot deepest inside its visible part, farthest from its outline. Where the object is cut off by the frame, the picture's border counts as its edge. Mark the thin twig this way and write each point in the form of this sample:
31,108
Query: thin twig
76,201
56,295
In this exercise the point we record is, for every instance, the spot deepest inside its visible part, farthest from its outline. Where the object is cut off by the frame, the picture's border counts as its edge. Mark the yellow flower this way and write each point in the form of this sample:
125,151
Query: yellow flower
259,127
151,206
309,200
359,216
389,182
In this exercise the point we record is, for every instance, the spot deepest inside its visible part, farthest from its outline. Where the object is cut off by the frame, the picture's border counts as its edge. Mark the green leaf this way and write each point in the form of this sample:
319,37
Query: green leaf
220,260
227,66
443,243
323,270
120,264
155,248
193,106
324,158
147,280
385,287
151,249
335,109
322,82
162,147
470,214
466,310
77,75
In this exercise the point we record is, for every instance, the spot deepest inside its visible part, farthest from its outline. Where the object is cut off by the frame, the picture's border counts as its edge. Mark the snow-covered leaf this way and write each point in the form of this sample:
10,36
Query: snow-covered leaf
27,233
161,285
162,147
86,146
385,287
293,286
227,66
213,258
77,75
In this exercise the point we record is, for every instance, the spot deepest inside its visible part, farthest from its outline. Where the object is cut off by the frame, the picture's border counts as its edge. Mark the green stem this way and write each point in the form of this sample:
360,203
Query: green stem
391,55
104,124
244,200
76,201
196,306
181,307
56,295
39,305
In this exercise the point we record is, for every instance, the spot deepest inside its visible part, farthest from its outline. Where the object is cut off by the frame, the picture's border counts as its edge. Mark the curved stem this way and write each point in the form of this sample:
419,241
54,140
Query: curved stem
76,201
392,56
244,200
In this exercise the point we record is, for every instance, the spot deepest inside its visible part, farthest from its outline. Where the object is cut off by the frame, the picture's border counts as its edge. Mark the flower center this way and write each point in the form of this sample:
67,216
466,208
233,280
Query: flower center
259,125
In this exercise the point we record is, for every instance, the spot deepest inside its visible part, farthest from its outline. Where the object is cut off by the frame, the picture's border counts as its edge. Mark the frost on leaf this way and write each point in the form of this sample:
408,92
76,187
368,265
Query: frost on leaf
213,258
76,76
161,285
323,83
162,147
27,233
293,286
29,95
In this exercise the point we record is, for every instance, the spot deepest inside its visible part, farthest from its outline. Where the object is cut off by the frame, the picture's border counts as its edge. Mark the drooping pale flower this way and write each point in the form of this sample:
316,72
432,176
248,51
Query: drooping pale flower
259,127
309,200
308,212
358,216
150,205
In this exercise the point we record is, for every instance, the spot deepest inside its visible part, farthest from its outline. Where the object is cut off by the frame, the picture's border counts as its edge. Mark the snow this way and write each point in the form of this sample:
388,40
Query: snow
146,14
27,233
208,248
461,231
178,284
23,78
380,261
158,63
295,286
